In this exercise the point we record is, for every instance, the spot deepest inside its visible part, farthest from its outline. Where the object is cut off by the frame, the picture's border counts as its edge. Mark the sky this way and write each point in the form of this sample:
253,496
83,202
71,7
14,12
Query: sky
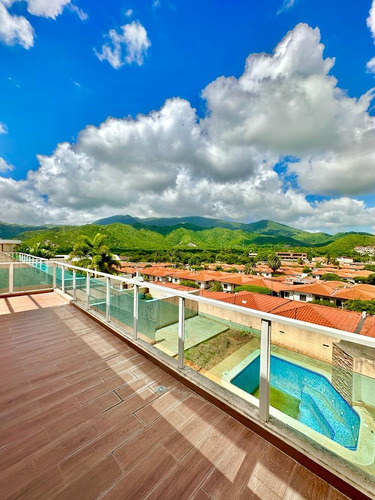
239,110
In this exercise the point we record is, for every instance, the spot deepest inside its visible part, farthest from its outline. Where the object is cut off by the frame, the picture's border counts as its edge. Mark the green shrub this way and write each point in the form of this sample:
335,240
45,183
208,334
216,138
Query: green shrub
323,302
189,283
361,305
253,288
331,277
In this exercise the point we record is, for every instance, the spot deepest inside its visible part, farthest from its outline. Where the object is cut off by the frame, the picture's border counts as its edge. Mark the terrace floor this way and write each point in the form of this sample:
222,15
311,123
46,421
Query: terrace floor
81,417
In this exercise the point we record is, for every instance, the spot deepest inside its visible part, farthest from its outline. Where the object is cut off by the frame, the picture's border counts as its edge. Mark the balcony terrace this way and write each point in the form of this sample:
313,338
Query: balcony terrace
94,406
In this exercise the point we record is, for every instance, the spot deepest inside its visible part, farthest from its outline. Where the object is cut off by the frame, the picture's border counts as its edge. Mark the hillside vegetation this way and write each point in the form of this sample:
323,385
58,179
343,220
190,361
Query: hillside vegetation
131,233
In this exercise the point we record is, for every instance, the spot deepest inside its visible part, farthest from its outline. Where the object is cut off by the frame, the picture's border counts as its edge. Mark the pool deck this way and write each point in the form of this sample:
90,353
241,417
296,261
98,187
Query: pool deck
84,416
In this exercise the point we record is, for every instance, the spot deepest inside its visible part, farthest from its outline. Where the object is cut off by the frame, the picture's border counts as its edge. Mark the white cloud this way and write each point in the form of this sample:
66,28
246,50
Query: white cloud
4,166
18,30
126,47
287,4
80,13
3,128
15,29
46,8
172,162
129,13
371,19
370,66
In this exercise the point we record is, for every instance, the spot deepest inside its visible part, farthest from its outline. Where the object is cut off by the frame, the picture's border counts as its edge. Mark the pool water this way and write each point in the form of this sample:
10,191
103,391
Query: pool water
305,396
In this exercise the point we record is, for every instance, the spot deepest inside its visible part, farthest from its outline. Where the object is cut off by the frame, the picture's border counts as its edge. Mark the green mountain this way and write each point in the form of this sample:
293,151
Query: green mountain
346,242
8,231
200,222
125,232
282,233
119,236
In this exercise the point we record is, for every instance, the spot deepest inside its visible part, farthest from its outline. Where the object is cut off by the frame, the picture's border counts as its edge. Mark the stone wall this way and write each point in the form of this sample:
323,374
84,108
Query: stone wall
342,372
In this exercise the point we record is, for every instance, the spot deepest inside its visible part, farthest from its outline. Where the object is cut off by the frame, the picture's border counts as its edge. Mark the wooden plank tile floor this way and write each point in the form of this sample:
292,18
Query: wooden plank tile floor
80,418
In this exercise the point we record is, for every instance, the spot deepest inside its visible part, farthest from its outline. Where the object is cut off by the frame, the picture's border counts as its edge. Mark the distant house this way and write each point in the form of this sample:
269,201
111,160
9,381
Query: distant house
370,250
8,245
292,255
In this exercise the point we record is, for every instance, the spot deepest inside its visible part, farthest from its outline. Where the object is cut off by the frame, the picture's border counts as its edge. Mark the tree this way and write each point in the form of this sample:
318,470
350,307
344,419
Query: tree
331,277
274,262
216,287
249,266
43,249
361,305
93,254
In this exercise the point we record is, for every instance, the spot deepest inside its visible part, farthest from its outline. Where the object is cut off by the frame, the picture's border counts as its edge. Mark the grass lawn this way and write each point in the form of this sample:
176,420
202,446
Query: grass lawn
211,352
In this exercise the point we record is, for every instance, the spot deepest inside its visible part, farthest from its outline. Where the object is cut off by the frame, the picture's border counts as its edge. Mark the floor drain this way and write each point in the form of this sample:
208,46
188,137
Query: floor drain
161,389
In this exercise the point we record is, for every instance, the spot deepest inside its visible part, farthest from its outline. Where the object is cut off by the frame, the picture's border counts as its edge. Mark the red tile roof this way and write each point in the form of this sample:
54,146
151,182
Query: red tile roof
354,293
176,286
368,328
311,313
321,315
257,301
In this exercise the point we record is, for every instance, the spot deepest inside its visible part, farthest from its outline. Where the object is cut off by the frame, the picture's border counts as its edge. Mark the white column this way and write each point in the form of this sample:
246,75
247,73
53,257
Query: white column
264,372
181,331
63,279
88,290
74,285
11,275
107,299
135,311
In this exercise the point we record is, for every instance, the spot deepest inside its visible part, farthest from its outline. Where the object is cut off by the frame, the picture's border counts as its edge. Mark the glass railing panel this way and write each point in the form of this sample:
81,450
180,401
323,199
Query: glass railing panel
97,299
121,304
58,272
81,288
158,319
68,281
4,279
224,346
31,277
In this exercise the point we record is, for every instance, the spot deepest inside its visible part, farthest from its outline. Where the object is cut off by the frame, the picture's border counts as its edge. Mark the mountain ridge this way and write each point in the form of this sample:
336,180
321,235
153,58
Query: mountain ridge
127,232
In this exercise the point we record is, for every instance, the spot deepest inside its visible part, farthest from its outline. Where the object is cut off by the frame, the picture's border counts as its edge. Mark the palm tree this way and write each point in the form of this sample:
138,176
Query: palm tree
274,262
249,267
93,254
42,249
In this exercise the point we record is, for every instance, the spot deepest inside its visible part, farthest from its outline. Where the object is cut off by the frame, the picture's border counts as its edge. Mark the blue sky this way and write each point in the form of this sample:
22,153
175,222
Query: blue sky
290,138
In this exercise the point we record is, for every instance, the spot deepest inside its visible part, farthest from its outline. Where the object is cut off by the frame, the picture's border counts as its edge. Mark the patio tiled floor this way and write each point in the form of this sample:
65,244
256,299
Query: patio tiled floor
81,419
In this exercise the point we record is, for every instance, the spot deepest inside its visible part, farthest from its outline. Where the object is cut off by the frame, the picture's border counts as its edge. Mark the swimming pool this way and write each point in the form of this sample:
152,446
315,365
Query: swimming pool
318,404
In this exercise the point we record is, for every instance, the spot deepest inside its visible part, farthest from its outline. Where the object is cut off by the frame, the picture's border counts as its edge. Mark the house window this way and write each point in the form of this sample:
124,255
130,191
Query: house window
302,297
286,294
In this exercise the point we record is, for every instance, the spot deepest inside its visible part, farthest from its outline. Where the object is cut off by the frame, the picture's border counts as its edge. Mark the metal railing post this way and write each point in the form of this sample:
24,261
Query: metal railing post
74,285
107,299
11,277
181,332
264,372
53,275
88,290
135,311
63,279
